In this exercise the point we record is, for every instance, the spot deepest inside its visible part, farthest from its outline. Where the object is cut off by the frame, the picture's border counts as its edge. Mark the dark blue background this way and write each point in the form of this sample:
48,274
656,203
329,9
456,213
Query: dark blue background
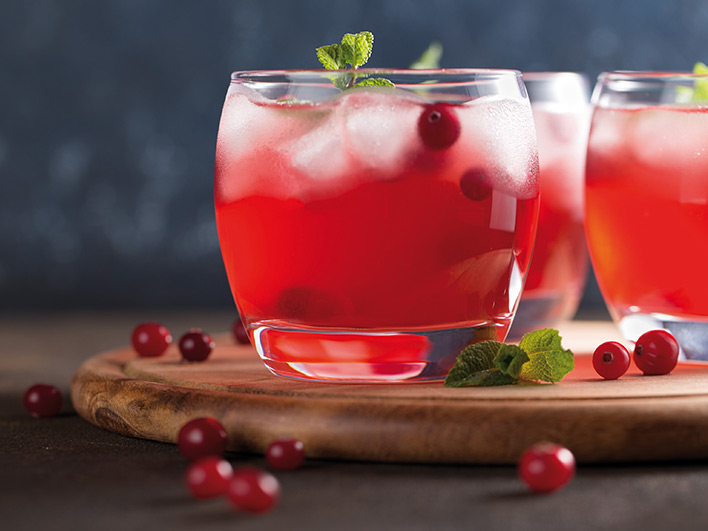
109,113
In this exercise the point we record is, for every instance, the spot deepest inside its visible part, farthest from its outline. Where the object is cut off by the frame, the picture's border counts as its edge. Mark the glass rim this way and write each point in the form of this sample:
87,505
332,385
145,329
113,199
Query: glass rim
651,76
543,75
266,76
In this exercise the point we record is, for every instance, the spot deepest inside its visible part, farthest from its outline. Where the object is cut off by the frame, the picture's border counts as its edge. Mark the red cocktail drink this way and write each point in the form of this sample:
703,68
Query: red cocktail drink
558,269
647,205
371,234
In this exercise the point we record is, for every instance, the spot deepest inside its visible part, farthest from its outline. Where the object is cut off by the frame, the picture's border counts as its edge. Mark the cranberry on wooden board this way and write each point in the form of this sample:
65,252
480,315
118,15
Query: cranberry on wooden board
656,352
611,360
150,339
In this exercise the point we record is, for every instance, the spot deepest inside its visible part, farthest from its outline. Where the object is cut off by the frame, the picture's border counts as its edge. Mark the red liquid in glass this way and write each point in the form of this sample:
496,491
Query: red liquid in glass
338,257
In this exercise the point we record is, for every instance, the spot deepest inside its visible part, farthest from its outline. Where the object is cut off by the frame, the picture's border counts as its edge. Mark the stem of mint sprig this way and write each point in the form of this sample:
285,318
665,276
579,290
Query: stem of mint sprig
538,357
354,50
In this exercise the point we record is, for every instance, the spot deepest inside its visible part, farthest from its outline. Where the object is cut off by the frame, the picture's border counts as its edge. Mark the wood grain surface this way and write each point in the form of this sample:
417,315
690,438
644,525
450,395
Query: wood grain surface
636,418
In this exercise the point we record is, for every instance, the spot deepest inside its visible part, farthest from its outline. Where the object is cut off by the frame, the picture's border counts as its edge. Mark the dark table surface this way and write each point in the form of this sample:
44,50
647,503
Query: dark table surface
64,473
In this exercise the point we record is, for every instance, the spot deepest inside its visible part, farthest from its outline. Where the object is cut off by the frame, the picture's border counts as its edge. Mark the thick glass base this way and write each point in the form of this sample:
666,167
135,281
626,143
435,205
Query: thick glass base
366,356
692,335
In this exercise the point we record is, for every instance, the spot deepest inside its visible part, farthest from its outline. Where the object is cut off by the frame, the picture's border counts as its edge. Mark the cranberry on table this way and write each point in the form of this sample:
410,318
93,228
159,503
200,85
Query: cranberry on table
656,352
611,360
239,333
546,467
43,400
195,345
209,477
253,490
151,339
285,454
202,437
438,126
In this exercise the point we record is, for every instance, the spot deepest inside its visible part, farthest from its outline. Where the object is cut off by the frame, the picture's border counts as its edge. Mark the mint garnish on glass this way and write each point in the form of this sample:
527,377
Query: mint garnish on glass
538,357
354,51
430,58
699,92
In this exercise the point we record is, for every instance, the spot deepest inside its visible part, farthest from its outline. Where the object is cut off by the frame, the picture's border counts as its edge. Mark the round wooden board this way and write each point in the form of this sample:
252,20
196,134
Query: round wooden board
635,418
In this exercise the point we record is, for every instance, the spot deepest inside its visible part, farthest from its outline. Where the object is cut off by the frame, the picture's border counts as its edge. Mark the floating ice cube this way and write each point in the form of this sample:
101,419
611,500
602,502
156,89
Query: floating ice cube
321,153
501,133
380,126
675,143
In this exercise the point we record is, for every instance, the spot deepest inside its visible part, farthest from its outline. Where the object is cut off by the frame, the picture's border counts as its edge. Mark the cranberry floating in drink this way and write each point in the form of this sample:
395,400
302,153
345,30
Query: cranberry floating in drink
371,233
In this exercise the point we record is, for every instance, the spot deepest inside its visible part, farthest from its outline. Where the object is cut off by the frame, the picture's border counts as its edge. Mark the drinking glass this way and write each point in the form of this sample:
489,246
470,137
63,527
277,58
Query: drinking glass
647,203
560,102
371,233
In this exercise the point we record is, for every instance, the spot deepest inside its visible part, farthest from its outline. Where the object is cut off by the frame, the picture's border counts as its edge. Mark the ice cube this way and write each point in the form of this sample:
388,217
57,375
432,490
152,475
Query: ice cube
675,142
321,153
501,132
380,126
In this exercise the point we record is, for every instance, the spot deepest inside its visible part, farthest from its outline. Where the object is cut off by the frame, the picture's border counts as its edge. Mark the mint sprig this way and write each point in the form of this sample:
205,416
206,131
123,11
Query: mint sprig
430,58
699,92
354,50
539,357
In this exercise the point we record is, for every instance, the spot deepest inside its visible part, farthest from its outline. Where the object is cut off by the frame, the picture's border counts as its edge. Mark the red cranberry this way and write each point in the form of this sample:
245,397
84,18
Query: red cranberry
209,477
656,352
239,333
438,126
611,360
195,345
546,467
285,454
151,339
475,185
202,437
254,490
43,400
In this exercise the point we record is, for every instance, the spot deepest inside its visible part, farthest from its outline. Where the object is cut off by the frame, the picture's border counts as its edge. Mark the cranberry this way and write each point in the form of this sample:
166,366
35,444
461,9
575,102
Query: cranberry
656,352
254,490
285,454
202,437
438,126
239,333
611,360
151,339
475,185
209,477
43,400
546,467
195,345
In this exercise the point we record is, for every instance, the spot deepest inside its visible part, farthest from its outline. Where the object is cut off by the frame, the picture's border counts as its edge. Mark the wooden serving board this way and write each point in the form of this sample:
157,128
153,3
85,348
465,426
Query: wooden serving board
636,418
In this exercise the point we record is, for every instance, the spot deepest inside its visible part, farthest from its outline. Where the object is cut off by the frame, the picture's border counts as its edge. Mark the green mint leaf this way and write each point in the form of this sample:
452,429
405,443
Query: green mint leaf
331,56
357,48
548,360
375,82
430,58
475,358
485,378
699,92
510,360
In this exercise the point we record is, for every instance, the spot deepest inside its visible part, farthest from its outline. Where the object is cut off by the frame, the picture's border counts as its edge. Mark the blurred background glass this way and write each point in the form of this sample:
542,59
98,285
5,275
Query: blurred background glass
109,114
556,276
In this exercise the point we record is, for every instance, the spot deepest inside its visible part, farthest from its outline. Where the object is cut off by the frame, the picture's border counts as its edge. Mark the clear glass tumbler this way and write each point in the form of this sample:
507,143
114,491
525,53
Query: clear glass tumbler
647,203
560,102
371,233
